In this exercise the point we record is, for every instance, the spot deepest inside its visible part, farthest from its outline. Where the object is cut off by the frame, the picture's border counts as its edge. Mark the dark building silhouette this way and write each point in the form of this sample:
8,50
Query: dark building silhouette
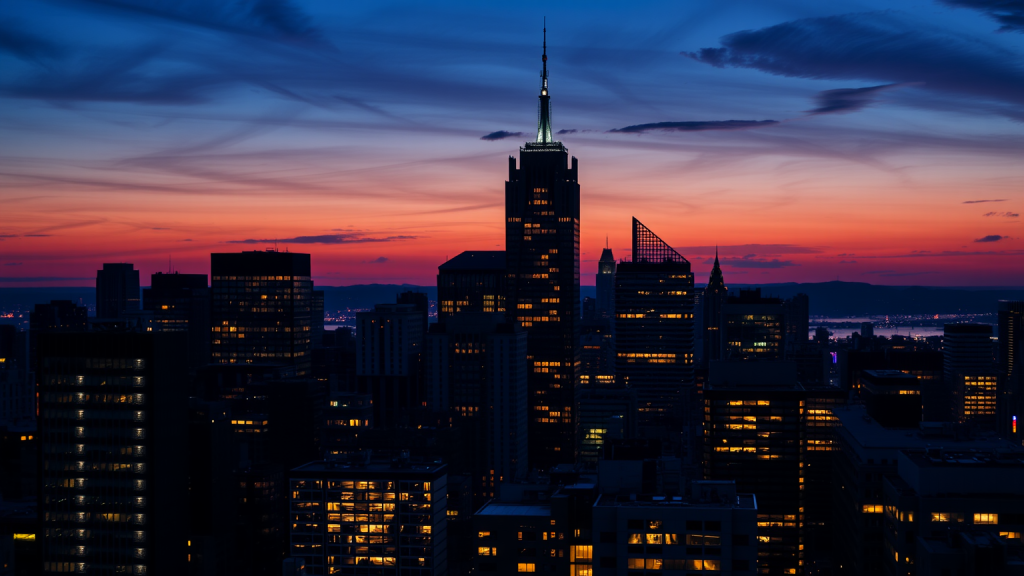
261,309
117,291
316,317
473,281
1010,405
113,482
654,328
605,305
893,398
754,433
714,297
476,378
542,243
753,327
970,373
389,353
17,391
797,314
604,412
181,303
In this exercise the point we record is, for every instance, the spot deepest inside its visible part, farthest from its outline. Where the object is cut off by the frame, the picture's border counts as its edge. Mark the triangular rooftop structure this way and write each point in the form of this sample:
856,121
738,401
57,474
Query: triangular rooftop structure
648,247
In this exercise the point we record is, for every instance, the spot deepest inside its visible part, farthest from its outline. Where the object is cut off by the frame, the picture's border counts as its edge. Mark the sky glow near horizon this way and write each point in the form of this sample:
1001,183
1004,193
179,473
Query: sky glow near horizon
140,132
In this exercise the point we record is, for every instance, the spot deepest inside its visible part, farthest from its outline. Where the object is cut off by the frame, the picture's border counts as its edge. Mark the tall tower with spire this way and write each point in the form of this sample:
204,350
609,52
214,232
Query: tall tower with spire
542,245
715,295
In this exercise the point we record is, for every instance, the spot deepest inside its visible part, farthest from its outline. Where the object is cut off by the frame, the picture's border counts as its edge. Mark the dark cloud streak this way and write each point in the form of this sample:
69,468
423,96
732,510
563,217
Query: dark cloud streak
846,99
500,135
1009,13
696,126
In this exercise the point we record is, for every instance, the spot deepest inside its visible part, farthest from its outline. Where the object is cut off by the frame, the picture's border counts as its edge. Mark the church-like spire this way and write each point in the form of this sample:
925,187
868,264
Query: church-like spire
544,120
717,280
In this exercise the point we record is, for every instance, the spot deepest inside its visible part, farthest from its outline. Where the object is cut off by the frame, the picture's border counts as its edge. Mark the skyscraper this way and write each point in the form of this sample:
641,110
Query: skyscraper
753,327
606,284
654,327
114,483
970,372
117,291
1010,406
715,295
261,309
473,281
390,342
542,242
181,303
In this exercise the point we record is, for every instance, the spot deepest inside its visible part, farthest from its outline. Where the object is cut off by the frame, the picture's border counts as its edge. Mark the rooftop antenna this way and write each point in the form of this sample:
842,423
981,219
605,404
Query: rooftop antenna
606,241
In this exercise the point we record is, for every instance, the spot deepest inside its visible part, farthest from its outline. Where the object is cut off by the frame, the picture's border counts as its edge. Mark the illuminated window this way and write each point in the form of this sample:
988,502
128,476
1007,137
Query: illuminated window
486,533
487,551
1007,535
986,518
526,567
577,553
940,516
873,509
655,539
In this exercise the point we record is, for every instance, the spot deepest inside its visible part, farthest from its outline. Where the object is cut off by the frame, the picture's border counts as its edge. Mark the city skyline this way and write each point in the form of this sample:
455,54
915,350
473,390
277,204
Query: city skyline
160,140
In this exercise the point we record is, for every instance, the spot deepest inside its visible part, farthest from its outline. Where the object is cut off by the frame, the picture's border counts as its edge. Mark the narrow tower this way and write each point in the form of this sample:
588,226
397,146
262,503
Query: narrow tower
542,243
714,297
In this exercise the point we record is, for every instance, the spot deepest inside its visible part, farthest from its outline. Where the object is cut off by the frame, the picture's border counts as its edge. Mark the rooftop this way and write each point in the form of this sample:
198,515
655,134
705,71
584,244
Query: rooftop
868,433
377,467
475,260
506,509
745,501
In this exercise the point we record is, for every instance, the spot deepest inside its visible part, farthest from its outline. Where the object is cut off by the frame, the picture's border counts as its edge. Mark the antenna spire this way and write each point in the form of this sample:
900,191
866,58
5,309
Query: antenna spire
544,121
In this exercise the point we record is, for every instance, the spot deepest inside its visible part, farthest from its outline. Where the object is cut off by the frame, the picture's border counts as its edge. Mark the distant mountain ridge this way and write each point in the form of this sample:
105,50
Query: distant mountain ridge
826,298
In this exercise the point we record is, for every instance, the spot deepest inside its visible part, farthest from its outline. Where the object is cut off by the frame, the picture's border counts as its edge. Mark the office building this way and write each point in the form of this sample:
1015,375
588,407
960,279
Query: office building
181,303
1010,403
355,517
654,328
389,352
117,291
604,412
893,398
316,316
542,251
754,434
605,305
867,454
113,464
473,281
970,373
713,530
948,509
715,295
476,375
261,309
753,327
17,391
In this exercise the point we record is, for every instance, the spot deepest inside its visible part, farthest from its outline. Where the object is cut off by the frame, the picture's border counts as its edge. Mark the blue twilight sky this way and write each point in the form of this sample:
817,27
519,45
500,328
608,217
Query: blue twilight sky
873,141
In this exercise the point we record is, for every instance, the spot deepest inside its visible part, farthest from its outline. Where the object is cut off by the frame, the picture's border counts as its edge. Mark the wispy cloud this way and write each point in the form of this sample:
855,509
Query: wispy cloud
695,126
991,238
500,135
752,261
744,249
882,46
567,131
12,264
845,100
352,238
378,260
983,201
1009,13
1002,214
42,279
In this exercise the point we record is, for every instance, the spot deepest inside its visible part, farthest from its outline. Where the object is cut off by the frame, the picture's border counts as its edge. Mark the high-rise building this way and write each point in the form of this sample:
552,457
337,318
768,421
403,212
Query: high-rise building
389,350
970,373
370,518
654,328
715,295
261,309
606,285
113,463
753,327
604,412
117,291
181,303
17,391
797,312
754,433
542,250
473,281
476,375
316,314
1010,404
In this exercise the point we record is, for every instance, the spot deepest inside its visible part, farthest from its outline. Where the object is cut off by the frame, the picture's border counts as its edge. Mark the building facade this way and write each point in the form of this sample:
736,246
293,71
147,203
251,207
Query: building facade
714,297
181,303
261,309
389,353
113,469
970,373
365,518
473,281
117,291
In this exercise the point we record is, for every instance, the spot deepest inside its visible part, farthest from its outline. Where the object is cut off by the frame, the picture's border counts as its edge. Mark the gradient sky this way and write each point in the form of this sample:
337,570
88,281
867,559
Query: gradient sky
872,141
